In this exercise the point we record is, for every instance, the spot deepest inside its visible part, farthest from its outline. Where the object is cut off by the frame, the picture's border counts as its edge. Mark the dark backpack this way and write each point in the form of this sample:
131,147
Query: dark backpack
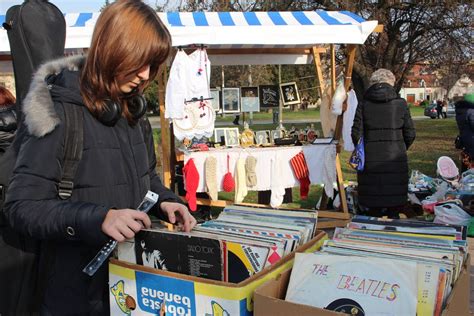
22,286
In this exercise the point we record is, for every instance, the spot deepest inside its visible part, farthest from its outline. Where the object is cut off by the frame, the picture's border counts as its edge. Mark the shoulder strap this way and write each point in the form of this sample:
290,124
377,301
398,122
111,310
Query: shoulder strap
73,142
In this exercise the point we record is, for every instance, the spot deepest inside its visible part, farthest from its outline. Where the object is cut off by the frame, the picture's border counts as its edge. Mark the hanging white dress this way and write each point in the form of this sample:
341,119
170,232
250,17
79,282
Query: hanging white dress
189,80
348,120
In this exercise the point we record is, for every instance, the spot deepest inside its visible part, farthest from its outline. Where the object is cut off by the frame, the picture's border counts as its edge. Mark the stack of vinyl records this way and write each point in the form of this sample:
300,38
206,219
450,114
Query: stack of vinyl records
241,242
381,267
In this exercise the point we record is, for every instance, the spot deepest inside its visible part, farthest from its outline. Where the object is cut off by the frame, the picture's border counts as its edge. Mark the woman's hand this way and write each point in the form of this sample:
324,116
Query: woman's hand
179,214
125,223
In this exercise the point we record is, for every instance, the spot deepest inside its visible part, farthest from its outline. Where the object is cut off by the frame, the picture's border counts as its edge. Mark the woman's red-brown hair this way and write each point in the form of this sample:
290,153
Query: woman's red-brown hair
128,35
6,97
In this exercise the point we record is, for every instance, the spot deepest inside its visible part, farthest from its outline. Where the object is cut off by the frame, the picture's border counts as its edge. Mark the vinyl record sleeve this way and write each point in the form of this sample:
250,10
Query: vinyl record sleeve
374,287
177,252
243,260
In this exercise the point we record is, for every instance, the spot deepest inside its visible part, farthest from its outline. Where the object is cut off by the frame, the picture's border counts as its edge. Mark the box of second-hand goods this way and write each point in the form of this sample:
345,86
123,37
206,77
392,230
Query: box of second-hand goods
140,290
270,298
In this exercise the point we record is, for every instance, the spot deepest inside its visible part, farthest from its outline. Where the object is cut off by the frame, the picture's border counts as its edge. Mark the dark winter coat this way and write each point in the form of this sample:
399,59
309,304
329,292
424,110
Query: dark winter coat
116,170
465,121
383,119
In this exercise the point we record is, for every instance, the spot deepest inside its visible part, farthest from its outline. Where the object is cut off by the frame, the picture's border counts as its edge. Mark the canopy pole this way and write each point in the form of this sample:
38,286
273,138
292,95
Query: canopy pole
165,129
351,51
333,69
319,73
321,87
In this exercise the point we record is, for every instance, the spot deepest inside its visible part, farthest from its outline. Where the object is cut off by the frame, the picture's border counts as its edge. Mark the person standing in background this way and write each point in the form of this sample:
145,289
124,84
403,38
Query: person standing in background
236,119
439,108
383,120
445,108
8,121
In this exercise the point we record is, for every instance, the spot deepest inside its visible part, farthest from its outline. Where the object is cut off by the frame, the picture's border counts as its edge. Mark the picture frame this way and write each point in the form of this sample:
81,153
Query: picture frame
218,133
249,101
247,138
289,93
269,96
262,137
232,137
274,134
231,100
216,99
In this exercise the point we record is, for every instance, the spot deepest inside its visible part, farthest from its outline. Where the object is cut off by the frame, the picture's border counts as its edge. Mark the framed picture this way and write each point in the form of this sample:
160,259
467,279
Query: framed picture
249,99
216,99
274,134
269,96
232,137
219,135
262,137
231,100
289,92
247,138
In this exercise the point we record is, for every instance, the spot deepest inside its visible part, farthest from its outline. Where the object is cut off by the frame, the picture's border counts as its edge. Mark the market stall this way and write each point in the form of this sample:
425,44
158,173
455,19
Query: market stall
265,38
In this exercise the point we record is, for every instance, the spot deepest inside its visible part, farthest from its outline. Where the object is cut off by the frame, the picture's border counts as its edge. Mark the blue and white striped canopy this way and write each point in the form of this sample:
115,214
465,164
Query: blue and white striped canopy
237,29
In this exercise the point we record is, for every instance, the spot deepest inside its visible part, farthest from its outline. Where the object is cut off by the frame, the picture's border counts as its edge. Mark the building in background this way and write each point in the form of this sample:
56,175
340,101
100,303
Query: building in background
422,83
460,88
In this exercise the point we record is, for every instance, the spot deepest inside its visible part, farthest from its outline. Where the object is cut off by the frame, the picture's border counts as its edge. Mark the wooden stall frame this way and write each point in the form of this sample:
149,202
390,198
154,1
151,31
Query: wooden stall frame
170,157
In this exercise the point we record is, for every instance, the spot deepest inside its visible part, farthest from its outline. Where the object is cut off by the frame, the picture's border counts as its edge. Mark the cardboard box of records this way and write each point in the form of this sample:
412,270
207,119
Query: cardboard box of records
213,270
376,267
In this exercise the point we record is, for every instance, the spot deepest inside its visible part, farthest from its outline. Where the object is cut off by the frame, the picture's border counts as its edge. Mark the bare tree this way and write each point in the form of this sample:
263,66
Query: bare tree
438,32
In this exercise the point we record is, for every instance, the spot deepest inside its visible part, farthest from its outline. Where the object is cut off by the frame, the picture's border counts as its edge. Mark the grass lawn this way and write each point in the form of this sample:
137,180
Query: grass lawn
310,115
434,138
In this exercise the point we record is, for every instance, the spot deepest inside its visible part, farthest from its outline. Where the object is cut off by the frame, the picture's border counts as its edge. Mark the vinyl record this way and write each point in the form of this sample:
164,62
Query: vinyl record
347,306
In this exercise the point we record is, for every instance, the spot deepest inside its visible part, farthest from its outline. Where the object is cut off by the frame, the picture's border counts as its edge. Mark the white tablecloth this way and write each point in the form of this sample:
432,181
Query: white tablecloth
319,158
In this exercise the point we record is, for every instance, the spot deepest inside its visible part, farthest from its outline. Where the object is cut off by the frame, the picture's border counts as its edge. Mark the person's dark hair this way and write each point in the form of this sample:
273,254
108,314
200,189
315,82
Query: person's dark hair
6,97
128,35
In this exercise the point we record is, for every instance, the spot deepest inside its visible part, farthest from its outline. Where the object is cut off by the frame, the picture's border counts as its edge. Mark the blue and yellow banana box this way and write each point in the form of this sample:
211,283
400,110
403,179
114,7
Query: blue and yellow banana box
139,290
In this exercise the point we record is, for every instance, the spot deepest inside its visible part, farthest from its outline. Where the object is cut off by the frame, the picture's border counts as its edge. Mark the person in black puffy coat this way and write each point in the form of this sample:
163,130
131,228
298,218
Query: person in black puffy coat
465,121
383,120
118,162
7,119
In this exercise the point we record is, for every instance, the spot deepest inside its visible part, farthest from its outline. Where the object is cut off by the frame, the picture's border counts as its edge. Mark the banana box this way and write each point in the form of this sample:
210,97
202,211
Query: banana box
139,290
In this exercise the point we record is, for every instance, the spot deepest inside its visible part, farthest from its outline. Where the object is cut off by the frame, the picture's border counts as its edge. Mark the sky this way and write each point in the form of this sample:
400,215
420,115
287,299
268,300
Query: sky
69,5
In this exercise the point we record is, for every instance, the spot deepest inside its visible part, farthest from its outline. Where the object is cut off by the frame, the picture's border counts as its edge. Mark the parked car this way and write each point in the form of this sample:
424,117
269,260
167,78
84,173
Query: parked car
451,109
430,110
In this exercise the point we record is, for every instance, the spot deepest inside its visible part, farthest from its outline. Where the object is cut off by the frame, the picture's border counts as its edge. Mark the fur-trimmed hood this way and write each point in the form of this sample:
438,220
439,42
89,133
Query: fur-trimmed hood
38,107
